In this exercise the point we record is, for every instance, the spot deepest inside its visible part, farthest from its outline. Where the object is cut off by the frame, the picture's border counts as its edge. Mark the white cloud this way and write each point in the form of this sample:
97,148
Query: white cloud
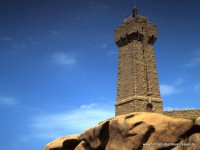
167,90
62,58
7,101
170,89
52,126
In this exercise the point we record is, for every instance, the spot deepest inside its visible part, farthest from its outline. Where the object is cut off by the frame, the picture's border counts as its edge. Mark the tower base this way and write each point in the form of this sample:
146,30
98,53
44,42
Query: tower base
138,104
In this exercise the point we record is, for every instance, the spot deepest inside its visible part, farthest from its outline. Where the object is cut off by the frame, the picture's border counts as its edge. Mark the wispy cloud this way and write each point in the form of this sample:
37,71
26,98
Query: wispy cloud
7,101
177,108
59,124
92,105
6,38
112,52
171,108
195,61
104,46
197,88
179,81
62,58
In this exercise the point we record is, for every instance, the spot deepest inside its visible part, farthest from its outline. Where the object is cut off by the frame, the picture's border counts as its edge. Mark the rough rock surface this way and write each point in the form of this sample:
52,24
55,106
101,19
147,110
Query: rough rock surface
67,142
135,131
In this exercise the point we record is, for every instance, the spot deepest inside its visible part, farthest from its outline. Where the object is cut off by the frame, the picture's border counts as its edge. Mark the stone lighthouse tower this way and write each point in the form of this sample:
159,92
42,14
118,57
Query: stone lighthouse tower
138,87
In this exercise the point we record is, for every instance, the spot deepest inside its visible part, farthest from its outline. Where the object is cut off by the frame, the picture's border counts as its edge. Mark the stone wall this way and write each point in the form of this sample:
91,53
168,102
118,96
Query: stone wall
131,78
190,114
152,71
137,105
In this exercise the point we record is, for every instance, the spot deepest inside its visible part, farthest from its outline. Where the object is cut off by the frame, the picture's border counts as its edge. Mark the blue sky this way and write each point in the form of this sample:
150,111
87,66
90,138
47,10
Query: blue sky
58,63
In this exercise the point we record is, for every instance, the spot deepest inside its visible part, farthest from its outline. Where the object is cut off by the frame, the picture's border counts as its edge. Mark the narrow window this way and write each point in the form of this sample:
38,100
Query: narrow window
149,107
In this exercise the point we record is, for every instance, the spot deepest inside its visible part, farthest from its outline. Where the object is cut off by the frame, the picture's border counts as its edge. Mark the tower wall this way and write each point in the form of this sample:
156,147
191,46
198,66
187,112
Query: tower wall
138,84
152,72
130,66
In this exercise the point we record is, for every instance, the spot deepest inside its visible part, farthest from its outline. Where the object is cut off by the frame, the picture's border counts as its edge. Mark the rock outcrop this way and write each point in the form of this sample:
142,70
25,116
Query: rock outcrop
68,143
135,131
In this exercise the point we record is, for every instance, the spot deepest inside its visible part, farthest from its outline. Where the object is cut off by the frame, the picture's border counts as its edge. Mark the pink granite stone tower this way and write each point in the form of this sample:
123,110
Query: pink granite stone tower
138,87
